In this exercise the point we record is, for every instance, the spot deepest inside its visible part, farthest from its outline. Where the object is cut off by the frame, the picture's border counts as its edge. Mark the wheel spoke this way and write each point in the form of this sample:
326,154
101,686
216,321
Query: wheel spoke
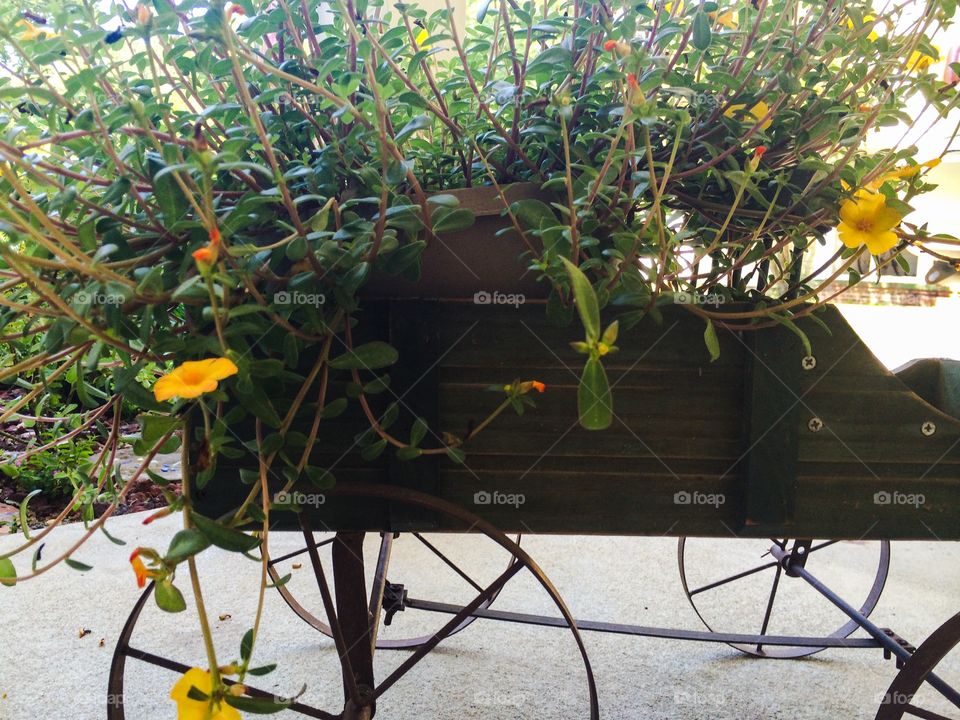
379,583
449,562
178,667
924,714
297,553
350,681
769,610
738,576
448,628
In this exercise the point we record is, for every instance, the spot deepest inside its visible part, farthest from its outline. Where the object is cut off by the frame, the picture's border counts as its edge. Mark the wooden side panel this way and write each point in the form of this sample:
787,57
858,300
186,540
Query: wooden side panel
683,456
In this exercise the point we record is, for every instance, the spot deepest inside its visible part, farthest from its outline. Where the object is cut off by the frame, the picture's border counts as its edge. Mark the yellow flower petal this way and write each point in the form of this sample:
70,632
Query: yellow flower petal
879,243
190,709
727,20
193,378
850,236
194,677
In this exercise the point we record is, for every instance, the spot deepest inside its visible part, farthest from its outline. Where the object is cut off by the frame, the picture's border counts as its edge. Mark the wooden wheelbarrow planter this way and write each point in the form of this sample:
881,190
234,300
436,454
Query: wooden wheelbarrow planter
766,442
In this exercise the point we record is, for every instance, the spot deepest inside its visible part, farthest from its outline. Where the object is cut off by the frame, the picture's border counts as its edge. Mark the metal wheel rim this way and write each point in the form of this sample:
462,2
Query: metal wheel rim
411,643
123,650
917,669
787,652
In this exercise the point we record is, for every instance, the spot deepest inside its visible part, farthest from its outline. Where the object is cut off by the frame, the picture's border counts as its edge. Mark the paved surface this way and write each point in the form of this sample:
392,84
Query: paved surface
51,668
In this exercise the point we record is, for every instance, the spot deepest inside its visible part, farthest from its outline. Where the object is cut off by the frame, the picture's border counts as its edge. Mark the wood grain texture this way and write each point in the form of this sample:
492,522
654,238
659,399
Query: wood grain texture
677,459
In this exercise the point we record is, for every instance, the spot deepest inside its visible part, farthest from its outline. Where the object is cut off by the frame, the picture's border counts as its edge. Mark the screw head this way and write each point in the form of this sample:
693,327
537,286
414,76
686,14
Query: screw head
928,428
809,362
815,424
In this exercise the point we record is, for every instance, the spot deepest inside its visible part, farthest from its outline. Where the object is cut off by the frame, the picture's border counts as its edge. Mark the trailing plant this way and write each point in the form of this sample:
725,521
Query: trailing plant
171,174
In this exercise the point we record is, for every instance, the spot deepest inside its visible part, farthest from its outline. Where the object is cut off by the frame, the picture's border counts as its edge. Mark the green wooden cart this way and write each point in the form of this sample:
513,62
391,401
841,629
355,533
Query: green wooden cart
799,451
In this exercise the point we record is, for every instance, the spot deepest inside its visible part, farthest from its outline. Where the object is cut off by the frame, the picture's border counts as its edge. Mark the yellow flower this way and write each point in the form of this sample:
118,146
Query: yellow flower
727,19
867,19
190,709
759,111
918,61
904,173
865,219
32,32
193,378
421,40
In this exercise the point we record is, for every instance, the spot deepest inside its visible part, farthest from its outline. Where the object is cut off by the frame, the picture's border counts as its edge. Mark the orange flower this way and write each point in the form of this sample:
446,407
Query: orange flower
760,151
143,14
632,82
235,9
609,45
538,386
194,378
140,570
208,254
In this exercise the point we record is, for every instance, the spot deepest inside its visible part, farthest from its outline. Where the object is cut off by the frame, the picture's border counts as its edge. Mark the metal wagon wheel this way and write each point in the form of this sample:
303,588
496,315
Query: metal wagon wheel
766,573
354,615
917,691
393,592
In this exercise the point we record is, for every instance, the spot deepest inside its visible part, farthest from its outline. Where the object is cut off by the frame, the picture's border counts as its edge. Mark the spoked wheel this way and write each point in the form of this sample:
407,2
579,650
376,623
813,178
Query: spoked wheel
385,581
745,581
928,686
352,613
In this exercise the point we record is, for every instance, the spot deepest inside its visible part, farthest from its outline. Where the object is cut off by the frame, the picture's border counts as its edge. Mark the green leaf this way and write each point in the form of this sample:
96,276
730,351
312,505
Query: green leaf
701,30
262,670
420,122
257,706
246,645
418,431
168,597
185,544
586,300
711,341
452,219
533,214
334,408
443,199
457,455
792,326
594,400
8,573
371,356
24,527
408,453
77,565
223,536
319,477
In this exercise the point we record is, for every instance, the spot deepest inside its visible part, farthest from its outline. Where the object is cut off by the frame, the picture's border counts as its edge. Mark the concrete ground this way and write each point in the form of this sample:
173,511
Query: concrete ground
58,632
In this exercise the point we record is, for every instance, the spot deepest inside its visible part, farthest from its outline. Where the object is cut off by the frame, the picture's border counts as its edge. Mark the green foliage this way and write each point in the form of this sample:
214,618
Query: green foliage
58,471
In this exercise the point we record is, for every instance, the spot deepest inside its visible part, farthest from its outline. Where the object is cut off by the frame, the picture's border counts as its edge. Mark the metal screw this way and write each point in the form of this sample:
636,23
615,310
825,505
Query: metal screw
928,428
809,362
815,424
